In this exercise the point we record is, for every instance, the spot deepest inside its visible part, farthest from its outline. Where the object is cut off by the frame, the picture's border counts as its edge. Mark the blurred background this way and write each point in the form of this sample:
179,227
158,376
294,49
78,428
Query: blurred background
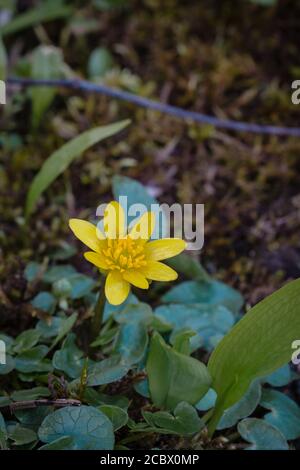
231,59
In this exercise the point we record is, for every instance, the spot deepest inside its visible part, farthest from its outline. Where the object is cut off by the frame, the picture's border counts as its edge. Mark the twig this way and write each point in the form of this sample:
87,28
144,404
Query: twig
59,403
201,118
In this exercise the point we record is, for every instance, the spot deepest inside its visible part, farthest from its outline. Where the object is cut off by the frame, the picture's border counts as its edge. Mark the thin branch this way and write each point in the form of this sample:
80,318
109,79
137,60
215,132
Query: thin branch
89,87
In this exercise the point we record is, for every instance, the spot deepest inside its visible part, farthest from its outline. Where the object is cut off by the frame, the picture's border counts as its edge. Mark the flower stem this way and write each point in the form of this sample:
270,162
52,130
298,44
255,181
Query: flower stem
99,309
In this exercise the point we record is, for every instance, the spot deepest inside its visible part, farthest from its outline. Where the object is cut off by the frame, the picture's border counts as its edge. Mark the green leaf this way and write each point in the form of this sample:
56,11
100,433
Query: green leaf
115,414
56,273
285,413
32,418
50,329
109,370
134,312
209,293
89,427
181,341
208,401
243,408
47,64
3,60
44,301
262,435
59,161
65,327
26,340
132,342
45,11
20,435
69,359
208,321
184,422
100,62
114,310
136,193
8,367
279,378
3,433
174,377
189,266
30,394
81,285
32,270
33,360
62,443
257,345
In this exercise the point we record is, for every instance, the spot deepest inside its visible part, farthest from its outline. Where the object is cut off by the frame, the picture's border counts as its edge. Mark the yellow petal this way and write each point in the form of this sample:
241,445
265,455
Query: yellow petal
136,279
116,288
157,271
114,220
165,248
96,259
87,233
144,227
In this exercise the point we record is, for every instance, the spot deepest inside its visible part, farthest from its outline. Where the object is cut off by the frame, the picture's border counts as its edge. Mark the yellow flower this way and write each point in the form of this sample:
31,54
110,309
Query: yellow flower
127,258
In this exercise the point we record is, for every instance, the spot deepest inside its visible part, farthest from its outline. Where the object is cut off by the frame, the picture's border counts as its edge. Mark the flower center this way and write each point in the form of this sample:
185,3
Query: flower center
124,253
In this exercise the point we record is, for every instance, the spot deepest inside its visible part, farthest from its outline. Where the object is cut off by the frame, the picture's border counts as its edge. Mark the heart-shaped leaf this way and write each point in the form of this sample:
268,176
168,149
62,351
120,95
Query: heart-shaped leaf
132,342
69,359
244,407
107,371
184,422
209,293
89,427
285,413
262,435
174,377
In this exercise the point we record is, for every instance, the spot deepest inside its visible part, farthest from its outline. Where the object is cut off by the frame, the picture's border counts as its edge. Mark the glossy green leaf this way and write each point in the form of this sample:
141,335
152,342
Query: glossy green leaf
208,321
243,408
280,377
62,443
208,401
132,342
285,413
209,293
184,421
66,325
20,435
262,435
26,340
44,301
33,360
91,429
174,377
257,345
55,273
181,341
69,359
109,370
118,416
30,394
59,161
